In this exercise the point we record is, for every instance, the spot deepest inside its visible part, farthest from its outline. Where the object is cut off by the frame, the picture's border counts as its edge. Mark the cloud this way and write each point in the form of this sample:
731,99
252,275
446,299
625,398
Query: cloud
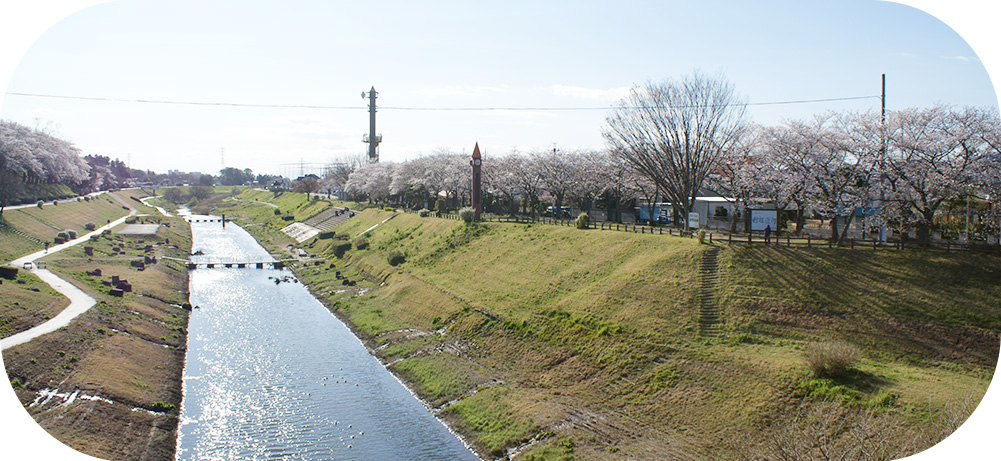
961,58
597,94
461,91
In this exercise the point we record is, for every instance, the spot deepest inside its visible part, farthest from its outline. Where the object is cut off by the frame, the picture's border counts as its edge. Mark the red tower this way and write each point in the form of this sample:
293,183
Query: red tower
477,200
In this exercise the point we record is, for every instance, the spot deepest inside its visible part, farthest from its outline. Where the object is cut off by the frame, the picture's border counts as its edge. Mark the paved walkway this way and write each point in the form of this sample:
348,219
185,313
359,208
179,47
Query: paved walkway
80,302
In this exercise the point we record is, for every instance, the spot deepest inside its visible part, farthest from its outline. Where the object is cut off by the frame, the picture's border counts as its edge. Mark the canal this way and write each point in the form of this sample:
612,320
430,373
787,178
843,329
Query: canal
271,373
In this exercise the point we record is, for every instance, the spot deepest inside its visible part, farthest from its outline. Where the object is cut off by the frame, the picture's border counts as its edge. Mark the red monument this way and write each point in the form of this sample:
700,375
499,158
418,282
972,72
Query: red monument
477,200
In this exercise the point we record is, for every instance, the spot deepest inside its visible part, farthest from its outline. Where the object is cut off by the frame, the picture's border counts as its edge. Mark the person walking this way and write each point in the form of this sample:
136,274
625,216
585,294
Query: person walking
768,235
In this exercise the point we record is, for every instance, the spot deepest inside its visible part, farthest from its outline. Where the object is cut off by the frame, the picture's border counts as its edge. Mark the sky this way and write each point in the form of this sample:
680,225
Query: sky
437,54
422,57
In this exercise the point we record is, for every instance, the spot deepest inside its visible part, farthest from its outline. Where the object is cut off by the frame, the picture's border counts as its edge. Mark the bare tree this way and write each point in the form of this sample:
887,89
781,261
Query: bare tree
676,132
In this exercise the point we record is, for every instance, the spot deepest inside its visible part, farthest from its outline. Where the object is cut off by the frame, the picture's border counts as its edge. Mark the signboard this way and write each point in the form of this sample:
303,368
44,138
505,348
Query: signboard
764,218
693,220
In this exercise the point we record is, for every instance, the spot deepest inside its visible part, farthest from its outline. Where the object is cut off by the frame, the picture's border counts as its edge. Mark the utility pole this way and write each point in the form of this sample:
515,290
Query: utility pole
372,138
882,157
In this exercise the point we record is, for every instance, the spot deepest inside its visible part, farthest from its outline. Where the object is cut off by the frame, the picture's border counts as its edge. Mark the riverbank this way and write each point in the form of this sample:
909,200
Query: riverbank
550,341
108,384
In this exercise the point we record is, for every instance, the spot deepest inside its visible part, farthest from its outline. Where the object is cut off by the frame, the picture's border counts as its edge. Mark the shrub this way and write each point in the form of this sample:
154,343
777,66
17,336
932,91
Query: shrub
702,236
63,235
583,221
396,258
90,226
833,359
39,203
8,272
16,383
288,218
161,406
341,248
440,205
277,212
390,209
361,243
71,233
424,213
467,214
325,235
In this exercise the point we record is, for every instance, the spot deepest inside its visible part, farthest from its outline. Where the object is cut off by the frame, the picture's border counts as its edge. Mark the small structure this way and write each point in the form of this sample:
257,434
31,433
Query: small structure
477,196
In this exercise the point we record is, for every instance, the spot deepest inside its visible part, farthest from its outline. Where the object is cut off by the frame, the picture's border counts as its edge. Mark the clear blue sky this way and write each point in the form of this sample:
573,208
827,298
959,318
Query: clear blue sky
520,54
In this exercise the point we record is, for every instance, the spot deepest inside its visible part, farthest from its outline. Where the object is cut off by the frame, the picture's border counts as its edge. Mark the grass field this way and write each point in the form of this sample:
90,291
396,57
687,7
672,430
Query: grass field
556,342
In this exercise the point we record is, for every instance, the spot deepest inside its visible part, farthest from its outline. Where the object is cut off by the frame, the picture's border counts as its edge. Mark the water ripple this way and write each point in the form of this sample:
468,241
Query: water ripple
270,374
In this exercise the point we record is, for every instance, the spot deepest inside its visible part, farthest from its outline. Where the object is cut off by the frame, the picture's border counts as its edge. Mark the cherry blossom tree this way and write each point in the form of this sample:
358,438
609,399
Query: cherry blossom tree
933,155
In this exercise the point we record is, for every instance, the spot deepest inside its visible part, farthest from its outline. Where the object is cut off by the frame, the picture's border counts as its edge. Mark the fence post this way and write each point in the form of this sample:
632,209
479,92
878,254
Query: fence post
710,237
729,239
853,243
808,244
748,238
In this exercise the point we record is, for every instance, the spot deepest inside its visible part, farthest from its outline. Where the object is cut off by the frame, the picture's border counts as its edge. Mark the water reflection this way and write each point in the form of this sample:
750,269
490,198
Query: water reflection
270,373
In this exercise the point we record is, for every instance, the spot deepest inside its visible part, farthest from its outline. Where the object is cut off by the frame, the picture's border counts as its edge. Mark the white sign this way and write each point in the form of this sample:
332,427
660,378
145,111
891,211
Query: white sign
764,218
693,220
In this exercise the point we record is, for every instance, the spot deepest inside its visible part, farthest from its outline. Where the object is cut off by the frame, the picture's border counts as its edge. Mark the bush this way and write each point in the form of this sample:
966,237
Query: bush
39,203
90,226
390,209
583,221
8,272
361,243
424,213
161,406
833,359
396,258
467,214
288,218
71,233
440,205
277,212
341,248
702,236
325,235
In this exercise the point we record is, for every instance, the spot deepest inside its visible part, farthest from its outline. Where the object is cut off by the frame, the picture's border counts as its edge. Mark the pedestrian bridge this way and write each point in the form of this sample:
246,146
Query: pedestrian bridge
246,264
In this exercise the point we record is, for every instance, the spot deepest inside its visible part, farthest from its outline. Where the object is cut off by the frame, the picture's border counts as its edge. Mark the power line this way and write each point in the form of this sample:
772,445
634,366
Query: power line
305,106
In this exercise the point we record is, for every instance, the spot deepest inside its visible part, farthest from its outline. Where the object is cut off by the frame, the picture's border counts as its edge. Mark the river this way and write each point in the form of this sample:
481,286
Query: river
271,373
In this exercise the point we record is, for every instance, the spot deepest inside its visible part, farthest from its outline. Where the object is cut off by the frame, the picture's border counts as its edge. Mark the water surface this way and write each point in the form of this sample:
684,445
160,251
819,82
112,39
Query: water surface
270,373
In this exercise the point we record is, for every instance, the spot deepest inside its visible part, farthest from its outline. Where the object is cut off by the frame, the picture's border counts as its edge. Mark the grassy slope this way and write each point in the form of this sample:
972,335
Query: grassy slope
587,340
44,223
26,302
128,350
